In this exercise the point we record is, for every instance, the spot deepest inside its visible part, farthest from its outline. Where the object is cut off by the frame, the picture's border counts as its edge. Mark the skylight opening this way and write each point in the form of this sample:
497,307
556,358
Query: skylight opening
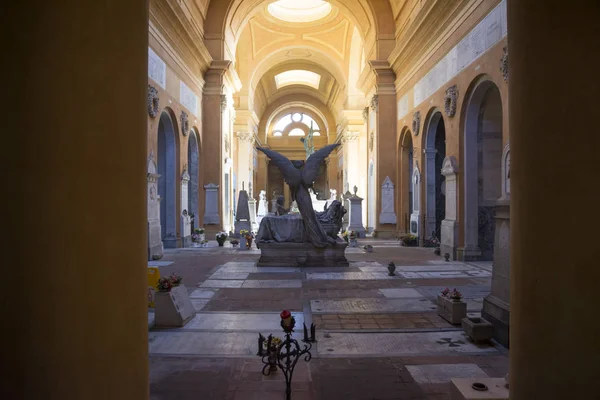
299,10
298,77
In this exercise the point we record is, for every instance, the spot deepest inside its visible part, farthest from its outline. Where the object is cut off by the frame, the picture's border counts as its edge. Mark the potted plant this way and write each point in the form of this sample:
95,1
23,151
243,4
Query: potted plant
234,242
352,237
345,236
221,236
200,231
196,240
409,240
248,236
451,307
172,305
203,243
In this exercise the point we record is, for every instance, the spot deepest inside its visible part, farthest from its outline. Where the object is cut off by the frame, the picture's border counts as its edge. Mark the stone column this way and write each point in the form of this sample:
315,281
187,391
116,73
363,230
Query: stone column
386,109
212,138
78,132
449,231
553,90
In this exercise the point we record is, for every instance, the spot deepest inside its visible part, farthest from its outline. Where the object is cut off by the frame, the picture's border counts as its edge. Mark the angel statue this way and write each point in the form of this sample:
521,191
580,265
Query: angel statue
300,175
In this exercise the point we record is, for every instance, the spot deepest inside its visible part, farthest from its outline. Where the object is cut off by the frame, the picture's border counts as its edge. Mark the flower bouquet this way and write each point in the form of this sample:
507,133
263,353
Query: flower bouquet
221,236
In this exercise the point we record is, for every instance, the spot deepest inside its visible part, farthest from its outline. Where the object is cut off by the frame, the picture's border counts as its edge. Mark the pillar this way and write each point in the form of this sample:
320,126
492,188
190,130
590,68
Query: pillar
75,178
553,98
386,110
212,139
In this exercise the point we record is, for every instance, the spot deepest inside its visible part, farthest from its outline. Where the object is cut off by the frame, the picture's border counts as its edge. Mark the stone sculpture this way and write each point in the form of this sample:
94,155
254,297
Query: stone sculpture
300,175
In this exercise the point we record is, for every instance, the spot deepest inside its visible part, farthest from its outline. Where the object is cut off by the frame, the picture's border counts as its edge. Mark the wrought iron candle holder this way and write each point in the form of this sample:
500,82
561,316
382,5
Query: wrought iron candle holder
286,353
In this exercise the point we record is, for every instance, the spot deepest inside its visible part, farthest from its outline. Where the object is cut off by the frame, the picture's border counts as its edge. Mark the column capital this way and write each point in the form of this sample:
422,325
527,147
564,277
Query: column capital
245,137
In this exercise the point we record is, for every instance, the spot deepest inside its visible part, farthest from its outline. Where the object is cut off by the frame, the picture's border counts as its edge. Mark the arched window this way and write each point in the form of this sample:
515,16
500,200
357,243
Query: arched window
280,127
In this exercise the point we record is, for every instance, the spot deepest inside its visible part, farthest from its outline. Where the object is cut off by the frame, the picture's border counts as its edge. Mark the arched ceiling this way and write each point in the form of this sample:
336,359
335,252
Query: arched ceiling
331,47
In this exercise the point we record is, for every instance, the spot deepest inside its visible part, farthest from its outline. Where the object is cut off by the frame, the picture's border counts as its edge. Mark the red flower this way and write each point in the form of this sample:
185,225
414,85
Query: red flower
285,314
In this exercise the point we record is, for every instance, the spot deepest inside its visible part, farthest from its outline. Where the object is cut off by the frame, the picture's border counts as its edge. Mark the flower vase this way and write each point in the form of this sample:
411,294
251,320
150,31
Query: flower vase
202,237
273,359
248,243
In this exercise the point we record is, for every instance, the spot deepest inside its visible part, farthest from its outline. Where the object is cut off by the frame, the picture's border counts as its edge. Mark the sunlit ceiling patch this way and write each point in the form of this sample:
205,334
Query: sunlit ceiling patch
298,77
299,10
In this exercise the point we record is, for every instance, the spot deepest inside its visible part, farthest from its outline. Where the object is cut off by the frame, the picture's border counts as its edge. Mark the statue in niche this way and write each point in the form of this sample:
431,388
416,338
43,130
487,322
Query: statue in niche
300,175
309,146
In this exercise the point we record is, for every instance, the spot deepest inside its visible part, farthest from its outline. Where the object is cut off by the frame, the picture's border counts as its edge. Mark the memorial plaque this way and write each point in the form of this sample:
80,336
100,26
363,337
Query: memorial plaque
188,98
157,69
370,305
403,106
182,302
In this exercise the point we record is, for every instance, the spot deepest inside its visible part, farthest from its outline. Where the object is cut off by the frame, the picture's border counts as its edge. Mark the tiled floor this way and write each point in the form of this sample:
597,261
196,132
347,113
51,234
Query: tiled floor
378,336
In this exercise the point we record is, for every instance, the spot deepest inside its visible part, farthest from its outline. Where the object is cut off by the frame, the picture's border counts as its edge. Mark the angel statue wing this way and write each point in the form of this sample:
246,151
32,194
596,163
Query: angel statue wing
311,167
291,174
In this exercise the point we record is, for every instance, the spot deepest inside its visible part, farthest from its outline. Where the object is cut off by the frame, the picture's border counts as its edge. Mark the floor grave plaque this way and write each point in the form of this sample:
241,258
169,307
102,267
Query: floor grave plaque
199,304
183,342
222,283
272,284
203,293
370,305
396,344
402,293
442,373
229,275
347,276
239,322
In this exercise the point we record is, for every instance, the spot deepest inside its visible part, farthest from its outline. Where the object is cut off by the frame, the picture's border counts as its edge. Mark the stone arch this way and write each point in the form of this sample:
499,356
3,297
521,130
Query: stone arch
435,152
194,171
405,169
167,158
320,112
482,172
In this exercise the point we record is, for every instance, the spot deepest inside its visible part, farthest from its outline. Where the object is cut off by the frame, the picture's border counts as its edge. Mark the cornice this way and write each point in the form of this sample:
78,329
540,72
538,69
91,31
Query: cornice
416,50
184,36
